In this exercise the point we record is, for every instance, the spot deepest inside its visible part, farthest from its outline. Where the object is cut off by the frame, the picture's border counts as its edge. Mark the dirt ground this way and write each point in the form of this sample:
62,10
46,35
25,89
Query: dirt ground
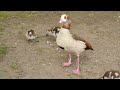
40,60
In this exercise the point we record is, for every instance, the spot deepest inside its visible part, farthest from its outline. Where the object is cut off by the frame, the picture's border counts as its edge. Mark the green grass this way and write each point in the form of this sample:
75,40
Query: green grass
1,28
27,14
6,14
72,76
14,66
3,49
22,14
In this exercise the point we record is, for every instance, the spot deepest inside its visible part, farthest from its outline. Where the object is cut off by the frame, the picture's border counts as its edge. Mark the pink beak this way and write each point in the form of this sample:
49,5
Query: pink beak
60,21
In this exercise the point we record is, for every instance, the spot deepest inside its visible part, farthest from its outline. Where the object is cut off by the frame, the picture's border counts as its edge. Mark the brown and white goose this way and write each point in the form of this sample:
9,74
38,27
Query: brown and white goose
65,40
111,75
64,22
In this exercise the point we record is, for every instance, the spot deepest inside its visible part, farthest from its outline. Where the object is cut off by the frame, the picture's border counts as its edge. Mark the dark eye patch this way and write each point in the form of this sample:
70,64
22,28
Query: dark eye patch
28,32
56,30
65,17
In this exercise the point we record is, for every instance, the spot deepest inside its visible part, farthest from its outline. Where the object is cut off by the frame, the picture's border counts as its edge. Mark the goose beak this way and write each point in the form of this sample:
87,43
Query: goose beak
60,21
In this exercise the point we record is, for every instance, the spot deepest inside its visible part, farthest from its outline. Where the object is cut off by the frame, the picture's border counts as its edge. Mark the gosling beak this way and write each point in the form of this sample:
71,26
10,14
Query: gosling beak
46,34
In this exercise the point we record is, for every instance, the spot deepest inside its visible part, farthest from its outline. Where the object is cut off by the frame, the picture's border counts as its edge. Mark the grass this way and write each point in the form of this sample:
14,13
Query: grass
28,14
14,66
21,14
6,14
1,28
73,76
3,49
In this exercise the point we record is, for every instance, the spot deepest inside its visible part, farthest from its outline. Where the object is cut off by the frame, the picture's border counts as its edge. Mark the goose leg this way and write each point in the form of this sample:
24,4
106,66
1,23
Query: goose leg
69,61
77,71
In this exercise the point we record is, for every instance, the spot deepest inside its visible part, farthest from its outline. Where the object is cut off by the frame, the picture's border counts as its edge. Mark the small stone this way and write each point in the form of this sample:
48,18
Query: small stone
47,42
49,63
117,20
61,55
56,48
15,43
50,44
43,64
13,16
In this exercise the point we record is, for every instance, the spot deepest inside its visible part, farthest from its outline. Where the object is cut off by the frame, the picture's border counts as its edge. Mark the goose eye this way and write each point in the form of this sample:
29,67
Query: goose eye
65,17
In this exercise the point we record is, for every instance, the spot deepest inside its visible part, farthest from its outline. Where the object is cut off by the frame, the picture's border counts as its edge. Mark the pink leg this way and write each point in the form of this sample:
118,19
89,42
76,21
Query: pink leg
77,71
69,61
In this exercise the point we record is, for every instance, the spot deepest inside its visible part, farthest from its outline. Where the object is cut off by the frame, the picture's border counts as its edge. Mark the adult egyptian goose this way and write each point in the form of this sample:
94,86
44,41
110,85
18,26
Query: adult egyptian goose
30,35
65,21
111,75
72,44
